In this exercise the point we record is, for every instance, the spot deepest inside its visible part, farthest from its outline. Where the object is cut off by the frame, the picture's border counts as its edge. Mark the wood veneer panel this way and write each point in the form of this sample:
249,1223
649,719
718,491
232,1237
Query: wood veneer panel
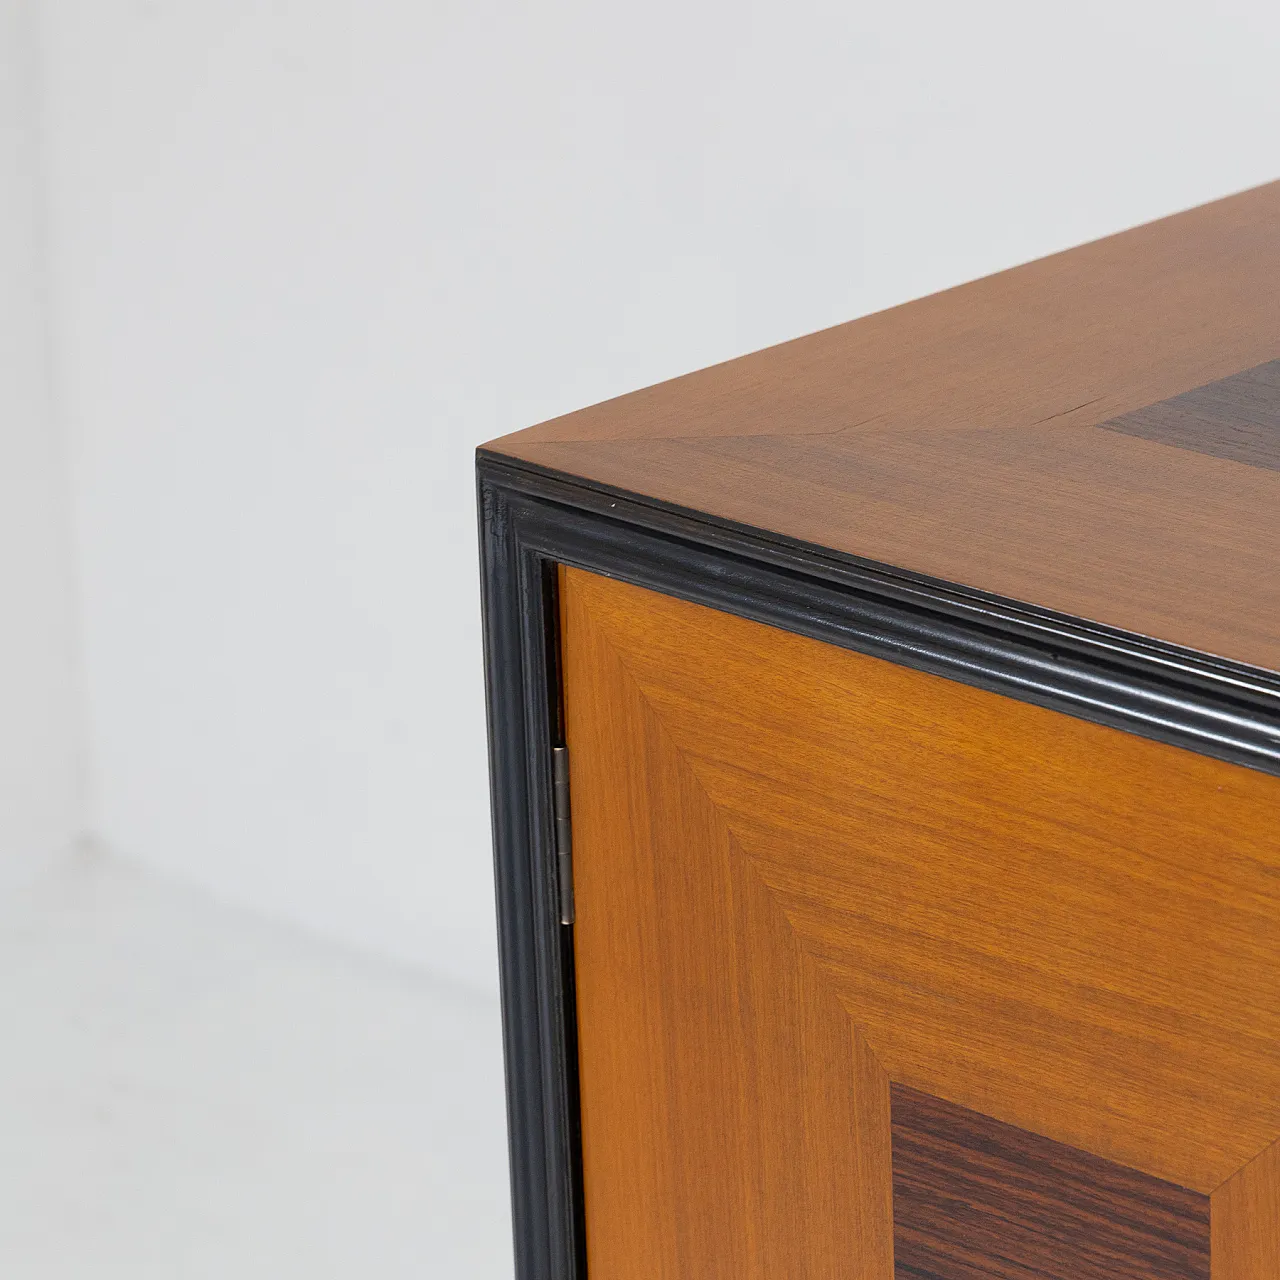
974,1199
1064,927
957,436
734,1123
1122,531
1081,335
1246,1221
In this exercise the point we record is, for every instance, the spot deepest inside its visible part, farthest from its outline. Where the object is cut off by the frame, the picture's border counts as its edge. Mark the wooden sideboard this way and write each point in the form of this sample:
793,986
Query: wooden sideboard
885,740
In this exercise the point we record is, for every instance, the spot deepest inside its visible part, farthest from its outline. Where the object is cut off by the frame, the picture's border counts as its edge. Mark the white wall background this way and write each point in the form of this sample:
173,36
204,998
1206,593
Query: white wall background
308,253
41,801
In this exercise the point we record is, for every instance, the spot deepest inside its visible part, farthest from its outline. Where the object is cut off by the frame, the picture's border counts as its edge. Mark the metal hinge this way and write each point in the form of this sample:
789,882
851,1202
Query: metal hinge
564,831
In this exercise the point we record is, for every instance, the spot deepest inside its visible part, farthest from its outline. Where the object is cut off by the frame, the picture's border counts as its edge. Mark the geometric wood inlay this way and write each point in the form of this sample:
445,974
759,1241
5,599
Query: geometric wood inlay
976,1198
1236,418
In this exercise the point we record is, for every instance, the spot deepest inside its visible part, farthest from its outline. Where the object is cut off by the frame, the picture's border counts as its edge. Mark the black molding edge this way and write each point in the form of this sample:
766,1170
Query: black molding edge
532,518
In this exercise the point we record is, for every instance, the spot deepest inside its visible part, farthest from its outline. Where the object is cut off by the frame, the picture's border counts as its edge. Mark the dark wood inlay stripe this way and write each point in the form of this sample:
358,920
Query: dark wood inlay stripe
1236,418
975,1199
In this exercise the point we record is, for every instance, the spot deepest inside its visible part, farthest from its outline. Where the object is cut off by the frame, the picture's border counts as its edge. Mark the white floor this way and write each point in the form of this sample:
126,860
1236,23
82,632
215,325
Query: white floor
186,1091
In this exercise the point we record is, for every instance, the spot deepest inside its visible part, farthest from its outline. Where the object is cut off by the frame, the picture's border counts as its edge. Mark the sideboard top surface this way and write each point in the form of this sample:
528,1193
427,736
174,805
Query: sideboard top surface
1096,433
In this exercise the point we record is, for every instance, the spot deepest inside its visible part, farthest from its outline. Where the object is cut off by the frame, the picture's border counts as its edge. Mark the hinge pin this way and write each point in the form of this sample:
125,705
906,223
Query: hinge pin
564,831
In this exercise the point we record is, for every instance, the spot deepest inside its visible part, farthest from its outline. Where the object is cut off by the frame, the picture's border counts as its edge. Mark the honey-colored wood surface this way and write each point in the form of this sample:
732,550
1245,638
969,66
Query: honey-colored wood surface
960,435
704,1152
1245,1221
801,871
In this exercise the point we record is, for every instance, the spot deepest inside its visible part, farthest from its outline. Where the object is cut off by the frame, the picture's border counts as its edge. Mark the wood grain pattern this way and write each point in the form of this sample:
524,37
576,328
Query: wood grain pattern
957,436
1245,1216
974,1199
1056,924
734,1123
1236,418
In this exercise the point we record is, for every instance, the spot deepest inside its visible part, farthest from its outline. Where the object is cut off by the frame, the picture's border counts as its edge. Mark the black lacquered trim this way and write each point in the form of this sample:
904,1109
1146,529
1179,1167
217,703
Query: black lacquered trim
531,518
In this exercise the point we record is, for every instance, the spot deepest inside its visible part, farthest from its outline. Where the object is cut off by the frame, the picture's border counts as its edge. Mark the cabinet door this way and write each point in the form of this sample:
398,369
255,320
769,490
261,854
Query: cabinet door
879,974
